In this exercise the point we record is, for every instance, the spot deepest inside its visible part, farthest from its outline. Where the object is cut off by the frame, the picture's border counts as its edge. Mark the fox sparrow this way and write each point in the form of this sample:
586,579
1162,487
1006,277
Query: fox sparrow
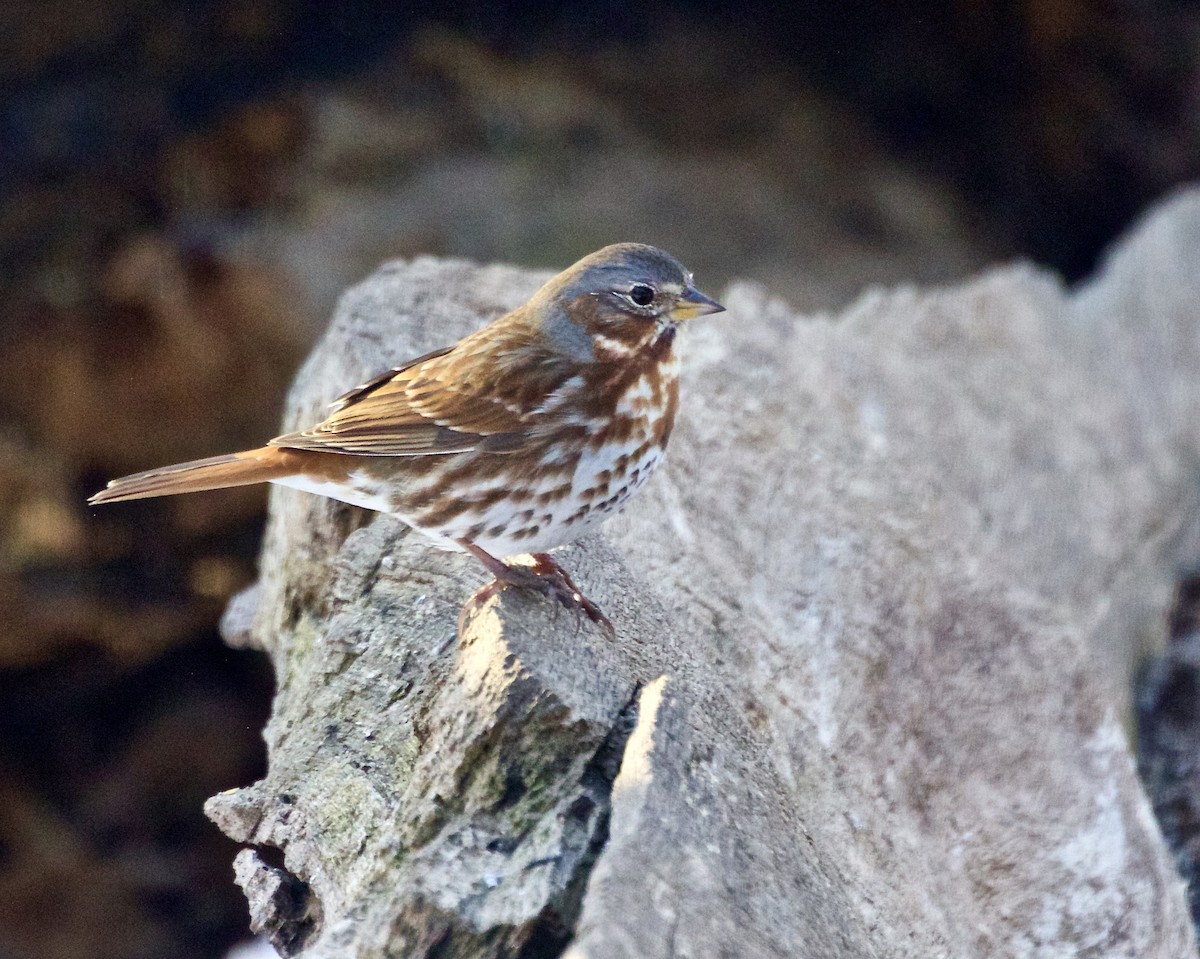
518,438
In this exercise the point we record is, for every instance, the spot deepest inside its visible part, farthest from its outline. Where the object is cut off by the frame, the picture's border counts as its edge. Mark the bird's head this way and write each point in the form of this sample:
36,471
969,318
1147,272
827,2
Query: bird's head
624,297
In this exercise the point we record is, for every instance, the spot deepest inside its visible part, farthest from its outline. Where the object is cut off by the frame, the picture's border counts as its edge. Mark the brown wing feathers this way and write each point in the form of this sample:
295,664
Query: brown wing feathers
356,394
429,407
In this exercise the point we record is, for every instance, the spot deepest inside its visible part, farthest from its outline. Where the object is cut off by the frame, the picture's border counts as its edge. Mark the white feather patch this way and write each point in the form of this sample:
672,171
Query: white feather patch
359,491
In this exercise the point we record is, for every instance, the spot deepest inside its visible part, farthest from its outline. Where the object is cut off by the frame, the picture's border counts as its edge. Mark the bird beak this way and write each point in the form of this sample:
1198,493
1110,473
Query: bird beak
694,303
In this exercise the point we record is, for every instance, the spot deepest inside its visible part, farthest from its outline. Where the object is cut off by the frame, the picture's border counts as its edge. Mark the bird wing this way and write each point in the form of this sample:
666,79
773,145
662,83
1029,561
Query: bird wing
356,394
450,401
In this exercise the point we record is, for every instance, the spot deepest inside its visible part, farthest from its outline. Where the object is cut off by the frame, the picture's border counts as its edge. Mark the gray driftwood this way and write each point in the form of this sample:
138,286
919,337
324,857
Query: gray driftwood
873,623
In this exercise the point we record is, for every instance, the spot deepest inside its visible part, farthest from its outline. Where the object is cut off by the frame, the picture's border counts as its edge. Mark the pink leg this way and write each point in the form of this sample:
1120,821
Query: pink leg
545,576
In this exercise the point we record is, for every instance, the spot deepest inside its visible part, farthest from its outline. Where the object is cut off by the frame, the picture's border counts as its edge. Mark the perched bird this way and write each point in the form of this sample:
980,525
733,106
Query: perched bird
518,438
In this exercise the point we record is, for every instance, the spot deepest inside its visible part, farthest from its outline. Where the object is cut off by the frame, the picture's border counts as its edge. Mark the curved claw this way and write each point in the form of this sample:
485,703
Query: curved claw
545,576
546,567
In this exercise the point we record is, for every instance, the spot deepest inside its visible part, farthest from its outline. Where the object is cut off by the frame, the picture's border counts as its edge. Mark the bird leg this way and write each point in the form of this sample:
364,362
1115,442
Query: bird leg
548,567
545,576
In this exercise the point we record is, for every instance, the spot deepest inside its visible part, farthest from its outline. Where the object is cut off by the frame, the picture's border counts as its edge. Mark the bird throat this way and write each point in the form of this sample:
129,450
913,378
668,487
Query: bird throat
660,347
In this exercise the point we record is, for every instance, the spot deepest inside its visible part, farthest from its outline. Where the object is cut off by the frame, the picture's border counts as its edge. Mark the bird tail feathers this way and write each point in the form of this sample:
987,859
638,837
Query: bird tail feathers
216,472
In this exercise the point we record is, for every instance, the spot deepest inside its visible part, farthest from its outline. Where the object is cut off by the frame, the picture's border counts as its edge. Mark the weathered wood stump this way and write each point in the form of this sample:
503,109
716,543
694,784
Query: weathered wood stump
874,620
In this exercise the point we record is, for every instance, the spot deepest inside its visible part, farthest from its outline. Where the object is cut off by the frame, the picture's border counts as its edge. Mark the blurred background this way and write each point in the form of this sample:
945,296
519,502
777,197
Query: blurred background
186,187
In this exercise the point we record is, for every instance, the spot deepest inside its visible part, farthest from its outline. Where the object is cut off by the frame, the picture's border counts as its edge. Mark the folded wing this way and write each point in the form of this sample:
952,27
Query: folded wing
480,394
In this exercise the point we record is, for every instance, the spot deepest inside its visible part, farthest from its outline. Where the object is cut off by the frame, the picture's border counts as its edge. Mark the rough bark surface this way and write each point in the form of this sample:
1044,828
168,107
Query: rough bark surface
872,619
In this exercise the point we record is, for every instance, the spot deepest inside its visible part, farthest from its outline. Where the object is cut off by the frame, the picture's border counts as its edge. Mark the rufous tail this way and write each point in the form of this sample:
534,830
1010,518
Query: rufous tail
216,472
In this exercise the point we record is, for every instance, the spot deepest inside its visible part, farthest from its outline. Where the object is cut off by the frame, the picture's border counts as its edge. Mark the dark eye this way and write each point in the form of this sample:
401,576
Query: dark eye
641,294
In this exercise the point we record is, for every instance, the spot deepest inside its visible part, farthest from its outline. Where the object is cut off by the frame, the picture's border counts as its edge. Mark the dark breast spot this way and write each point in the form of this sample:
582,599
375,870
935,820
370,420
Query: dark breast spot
441,512
554,495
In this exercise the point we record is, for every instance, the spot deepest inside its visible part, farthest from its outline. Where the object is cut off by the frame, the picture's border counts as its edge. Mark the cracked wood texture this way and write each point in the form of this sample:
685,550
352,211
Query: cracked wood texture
874,621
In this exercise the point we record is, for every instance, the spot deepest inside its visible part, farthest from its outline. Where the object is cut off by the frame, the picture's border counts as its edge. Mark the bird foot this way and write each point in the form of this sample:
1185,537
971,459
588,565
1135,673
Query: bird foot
549,579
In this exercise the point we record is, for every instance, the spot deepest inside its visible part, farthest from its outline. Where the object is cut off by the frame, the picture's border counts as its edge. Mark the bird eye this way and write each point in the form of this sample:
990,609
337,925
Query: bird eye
641,294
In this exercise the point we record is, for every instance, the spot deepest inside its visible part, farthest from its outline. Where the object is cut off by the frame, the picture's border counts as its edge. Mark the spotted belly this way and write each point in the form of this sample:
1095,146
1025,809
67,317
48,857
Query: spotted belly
530,500
516,507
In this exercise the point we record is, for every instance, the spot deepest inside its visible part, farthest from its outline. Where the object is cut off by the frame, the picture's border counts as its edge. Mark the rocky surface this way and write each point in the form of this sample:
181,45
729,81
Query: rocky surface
1168,726
187,188
185,194
873,623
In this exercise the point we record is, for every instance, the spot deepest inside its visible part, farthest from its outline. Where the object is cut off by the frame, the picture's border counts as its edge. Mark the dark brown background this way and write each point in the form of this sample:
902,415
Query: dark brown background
185,188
